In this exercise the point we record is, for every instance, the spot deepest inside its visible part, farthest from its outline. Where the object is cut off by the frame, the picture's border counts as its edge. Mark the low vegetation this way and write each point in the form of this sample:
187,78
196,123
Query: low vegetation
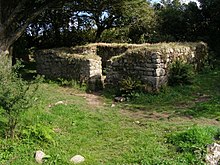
170,127
16,96
180,73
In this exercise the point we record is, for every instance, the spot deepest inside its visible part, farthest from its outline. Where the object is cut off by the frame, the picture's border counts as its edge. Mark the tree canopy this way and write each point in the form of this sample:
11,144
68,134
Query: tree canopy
54,23
16,15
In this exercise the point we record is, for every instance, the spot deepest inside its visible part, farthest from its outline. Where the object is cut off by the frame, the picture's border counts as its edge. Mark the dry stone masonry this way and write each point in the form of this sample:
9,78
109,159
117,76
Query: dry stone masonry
147,63
64,63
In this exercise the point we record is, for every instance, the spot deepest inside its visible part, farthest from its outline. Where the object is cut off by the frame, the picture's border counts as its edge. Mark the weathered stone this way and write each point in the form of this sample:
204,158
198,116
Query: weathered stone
159,72
115,64
139,68
150,73
156,61
155,55
59,103
39,155
120,99
150,69
153,65
77,159
136,61
213,154
67,66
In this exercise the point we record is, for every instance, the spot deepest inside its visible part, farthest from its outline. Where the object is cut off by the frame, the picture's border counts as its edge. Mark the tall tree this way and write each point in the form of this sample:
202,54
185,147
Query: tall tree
210,10
140,20
171,20
104,14
15,16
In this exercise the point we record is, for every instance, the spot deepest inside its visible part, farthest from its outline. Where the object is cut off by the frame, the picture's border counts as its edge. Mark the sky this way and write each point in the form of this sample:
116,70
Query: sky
184,1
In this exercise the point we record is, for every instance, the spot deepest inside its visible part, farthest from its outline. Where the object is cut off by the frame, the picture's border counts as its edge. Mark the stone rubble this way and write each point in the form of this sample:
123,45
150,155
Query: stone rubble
213,154
39,155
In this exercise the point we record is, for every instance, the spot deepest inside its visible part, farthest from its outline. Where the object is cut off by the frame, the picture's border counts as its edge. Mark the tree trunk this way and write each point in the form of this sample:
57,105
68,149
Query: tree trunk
5,51
99,31
5,58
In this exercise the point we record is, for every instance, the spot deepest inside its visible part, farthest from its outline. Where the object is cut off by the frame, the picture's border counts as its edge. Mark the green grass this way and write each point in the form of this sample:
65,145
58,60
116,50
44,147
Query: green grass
135,132
199,100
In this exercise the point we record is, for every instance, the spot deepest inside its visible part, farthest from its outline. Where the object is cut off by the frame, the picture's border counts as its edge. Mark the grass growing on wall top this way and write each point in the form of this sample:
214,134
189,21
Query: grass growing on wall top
67,53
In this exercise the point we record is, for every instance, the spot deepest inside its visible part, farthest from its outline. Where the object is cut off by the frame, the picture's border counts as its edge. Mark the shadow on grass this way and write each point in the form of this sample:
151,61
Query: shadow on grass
202,99
180,100
210,109
28,72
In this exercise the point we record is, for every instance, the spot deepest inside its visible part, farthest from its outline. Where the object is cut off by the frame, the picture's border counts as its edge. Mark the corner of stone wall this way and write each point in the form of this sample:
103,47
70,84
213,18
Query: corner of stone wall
201,55
62,64
150,64
147,63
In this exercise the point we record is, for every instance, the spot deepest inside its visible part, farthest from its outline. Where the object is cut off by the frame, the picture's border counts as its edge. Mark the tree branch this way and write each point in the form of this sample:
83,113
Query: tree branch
14,14
32,16
0,14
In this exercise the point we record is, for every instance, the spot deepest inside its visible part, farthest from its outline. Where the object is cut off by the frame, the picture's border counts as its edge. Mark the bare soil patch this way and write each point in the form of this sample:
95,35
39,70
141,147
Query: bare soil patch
94,100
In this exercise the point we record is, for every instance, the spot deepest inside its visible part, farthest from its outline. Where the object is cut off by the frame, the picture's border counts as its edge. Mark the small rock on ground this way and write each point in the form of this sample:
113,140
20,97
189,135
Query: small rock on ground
77,159
120,99
39,155
213,154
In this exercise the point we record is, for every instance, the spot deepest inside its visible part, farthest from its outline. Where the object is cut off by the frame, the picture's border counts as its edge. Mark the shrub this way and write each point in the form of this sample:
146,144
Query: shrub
16,96
128,86
38,133
180,73
193,142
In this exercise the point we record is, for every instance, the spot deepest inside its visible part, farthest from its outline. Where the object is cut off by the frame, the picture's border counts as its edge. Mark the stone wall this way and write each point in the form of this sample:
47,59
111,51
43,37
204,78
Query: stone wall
62,63
149,64
145,62
107,51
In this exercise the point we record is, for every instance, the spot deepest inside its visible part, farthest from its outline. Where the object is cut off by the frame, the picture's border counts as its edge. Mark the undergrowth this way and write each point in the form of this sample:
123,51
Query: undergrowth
171,127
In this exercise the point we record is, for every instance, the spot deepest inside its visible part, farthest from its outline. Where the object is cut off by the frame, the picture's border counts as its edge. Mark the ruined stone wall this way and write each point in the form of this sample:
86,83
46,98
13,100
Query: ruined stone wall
61,63
107,51
150,64
147,63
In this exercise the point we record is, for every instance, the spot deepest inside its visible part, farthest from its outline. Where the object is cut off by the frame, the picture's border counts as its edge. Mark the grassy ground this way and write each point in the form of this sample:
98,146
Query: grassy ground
134,132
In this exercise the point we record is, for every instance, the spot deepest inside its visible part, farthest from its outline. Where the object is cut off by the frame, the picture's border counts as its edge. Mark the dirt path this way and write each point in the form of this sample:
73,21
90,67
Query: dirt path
93,100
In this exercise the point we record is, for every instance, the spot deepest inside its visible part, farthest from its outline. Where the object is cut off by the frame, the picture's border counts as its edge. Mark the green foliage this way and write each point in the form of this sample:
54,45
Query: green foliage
192,142
207,109
132,133
180,73
66,83
16,96
6,151
129,86
217,135
37,133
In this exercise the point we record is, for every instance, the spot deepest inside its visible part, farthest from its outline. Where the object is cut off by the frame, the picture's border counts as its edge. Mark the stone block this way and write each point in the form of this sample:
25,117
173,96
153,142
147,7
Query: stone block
156,61
155,55
159,72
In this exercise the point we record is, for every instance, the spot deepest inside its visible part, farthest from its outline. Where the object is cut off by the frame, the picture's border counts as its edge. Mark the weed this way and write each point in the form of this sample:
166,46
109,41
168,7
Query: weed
129,87
180,73
37,133
118,135
192,142
16,96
